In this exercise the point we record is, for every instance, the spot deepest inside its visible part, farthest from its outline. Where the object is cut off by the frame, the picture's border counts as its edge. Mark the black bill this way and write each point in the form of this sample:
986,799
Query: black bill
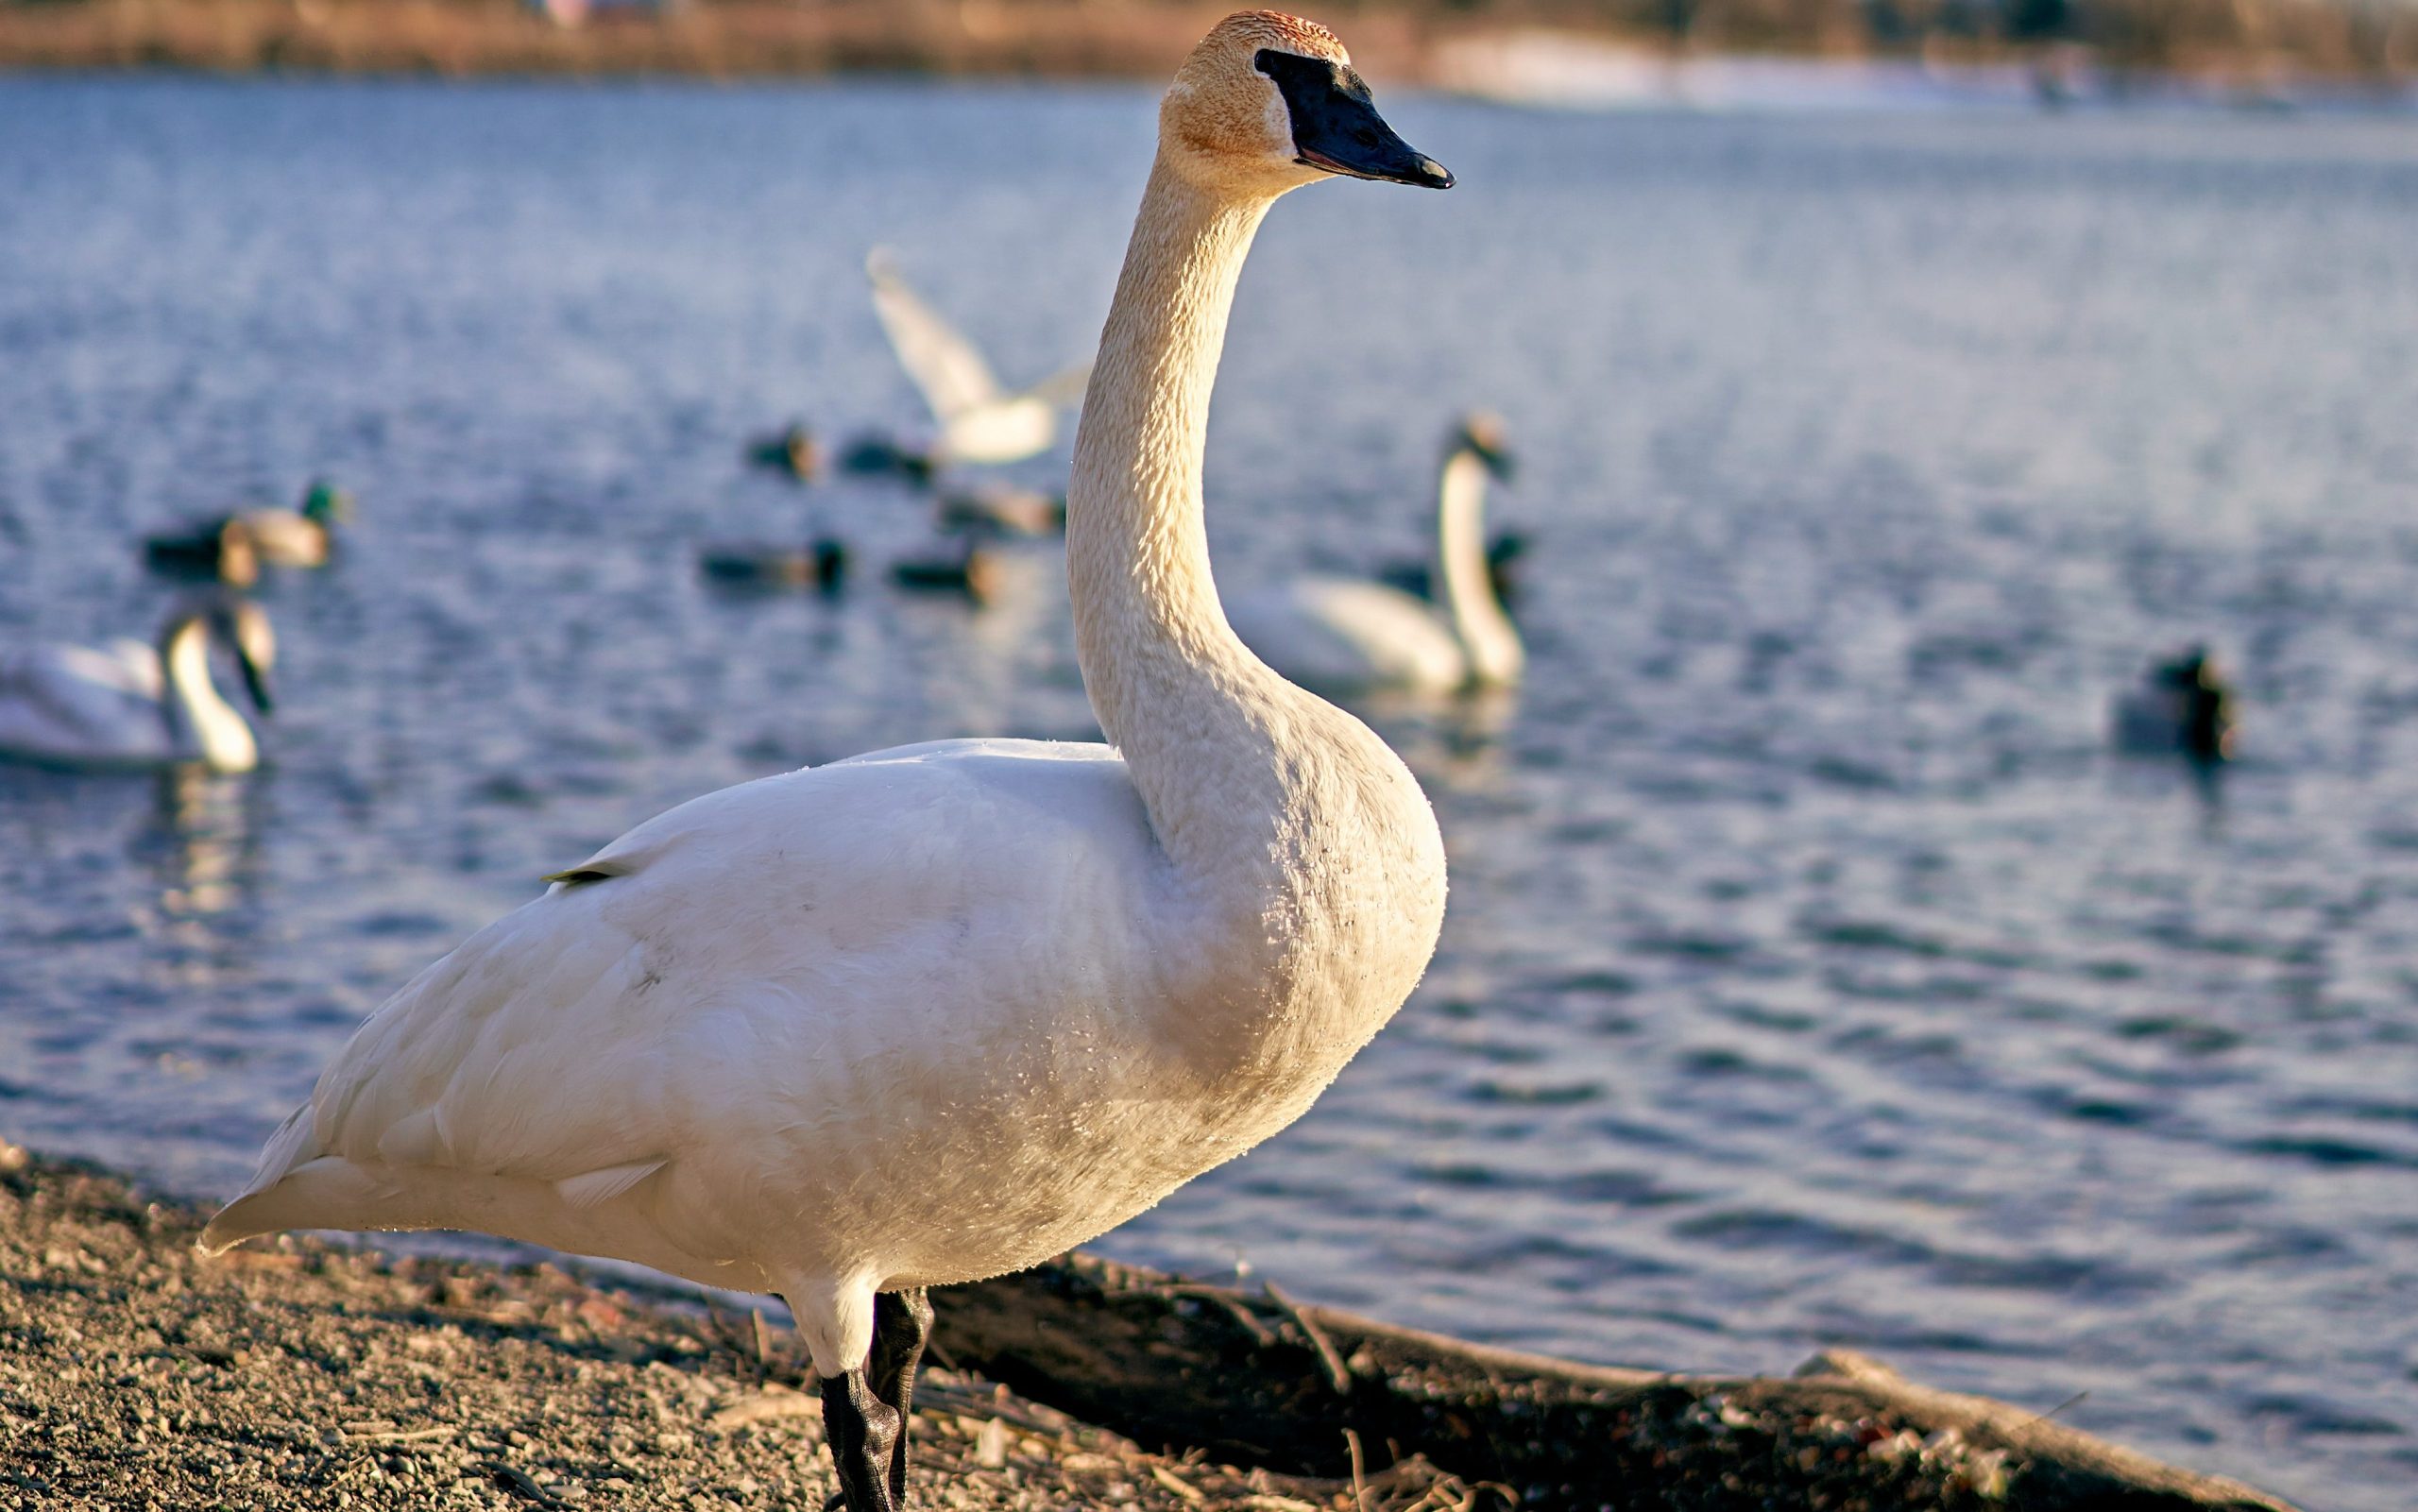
1337,126
256,684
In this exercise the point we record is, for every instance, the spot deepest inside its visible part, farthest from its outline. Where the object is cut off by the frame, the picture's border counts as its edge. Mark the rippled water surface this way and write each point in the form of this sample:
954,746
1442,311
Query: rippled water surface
1812,976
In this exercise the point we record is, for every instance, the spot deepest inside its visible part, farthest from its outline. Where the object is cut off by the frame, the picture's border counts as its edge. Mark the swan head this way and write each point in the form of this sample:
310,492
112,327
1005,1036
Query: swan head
1481,436
1268,102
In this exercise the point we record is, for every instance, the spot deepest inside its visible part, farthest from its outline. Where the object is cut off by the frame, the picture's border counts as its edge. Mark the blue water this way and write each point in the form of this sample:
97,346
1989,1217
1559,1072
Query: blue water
1812,975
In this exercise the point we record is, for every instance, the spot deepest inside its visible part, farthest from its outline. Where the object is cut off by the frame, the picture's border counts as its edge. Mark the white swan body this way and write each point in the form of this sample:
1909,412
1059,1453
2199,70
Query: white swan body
933,1014
1340,634
942,945
980,421
1347,634
126,704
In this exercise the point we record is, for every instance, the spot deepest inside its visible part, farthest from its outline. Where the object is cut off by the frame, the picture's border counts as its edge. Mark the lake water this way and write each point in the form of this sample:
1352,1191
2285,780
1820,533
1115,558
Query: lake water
1812,975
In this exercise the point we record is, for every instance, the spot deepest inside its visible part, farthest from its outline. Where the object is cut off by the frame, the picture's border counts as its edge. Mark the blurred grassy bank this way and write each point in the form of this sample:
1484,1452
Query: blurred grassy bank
1403,40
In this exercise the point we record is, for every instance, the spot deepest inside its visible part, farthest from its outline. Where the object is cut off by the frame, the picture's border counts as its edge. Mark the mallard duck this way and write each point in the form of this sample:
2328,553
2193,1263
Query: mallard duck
2180,706
823,564
792,455
967,568
1001,509
233,547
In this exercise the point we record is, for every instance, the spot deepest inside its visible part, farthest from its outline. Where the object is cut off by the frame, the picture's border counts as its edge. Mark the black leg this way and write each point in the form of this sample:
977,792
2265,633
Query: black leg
863,1432
901,1322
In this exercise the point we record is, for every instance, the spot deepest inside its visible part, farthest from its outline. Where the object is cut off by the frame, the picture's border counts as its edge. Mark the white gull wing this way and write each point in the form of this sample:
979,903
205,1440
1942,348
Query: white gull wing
763,1041
952,374
980,421
1065,389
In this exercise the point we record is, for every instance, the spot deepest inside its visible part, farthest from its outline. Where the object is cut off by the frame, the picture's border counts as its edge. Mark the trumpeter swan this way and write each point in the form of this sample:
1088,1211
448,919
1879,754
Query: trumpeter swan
979,420
127,705
232,546
940,1012
2180,707
1416,576
1344,635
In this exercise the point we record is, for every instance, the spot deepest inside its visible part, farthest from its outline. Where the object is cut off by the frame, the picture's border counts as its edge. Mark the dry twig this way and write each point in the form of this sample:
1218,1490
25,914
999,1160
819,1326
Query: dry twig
1336,1373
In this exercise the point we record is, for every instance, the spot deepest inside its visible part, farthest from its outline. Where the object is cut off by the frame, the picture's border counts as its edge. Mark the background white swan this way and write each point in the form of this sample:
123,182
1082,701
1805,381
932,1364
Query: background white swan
937,1013
1344,635
980,421
126,704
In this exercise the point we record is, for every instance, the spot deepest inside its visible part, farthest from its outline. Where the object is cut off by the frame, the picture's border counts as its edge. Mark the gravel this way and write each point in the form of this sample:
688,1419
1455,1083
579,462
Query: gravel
307,1374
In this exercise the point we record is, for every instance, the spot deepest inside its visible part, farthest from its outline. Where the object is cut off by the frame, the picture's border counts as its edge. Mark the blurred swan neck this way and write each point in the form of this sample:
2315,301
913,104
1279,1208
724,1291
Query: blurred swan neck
1484,629
1149,632
199,721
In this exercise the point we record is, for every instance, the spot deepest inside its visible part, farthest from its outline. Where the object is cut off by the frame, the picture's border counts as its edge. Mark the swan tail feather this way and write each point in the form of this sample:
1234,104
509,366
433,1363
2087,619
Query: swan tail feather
293,1146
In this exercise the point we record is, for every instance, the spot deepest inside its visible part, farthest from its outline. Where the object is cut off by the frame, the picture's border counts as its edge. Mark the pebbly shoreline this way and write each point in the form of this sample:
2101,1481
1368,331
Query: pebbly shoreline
135,1373
309,1374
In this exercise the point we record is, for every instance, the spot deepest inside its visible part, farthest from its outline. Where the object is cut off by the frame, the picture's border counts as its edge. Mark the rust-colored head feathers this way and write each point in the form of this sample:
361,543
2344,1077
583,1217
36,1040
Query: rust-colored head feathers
1268,102
1224,114
1245,31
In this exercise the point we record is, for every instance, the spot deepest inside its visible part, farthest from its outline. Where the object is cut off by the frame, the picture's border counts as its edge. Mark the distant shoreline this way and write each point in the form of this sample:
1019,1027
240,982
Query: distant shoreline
2206,43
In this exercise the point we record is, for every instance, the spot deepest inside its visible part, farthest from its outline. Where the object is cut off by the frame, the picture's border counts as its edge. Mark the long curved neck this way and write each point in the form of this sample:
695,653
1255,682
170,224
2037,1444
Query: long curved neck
1305,861
1484,631
1171,685
199,721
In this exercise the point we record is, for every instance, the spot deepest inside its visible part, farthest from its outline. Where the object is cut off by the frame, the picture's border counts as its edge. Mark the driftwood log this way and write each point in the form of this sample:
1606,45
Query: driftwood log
1257,1378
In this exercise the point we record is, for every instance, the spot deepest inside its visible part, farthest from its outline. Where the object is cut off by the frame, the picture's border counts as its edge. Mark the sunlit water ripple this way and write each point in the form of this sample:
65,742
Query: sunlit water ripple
1812,976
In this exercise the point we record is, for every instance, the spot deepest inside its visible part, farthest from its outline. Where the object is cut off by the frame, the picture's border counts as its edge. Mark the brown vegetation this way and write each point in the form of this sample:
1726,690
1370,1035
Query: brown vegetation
1142,39
720,39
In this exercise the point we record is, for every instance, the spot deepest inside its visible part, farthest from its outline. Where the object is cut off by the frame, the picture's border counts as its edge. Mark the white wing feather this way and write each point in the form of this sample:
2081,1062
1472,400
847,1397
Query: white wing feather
947,368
